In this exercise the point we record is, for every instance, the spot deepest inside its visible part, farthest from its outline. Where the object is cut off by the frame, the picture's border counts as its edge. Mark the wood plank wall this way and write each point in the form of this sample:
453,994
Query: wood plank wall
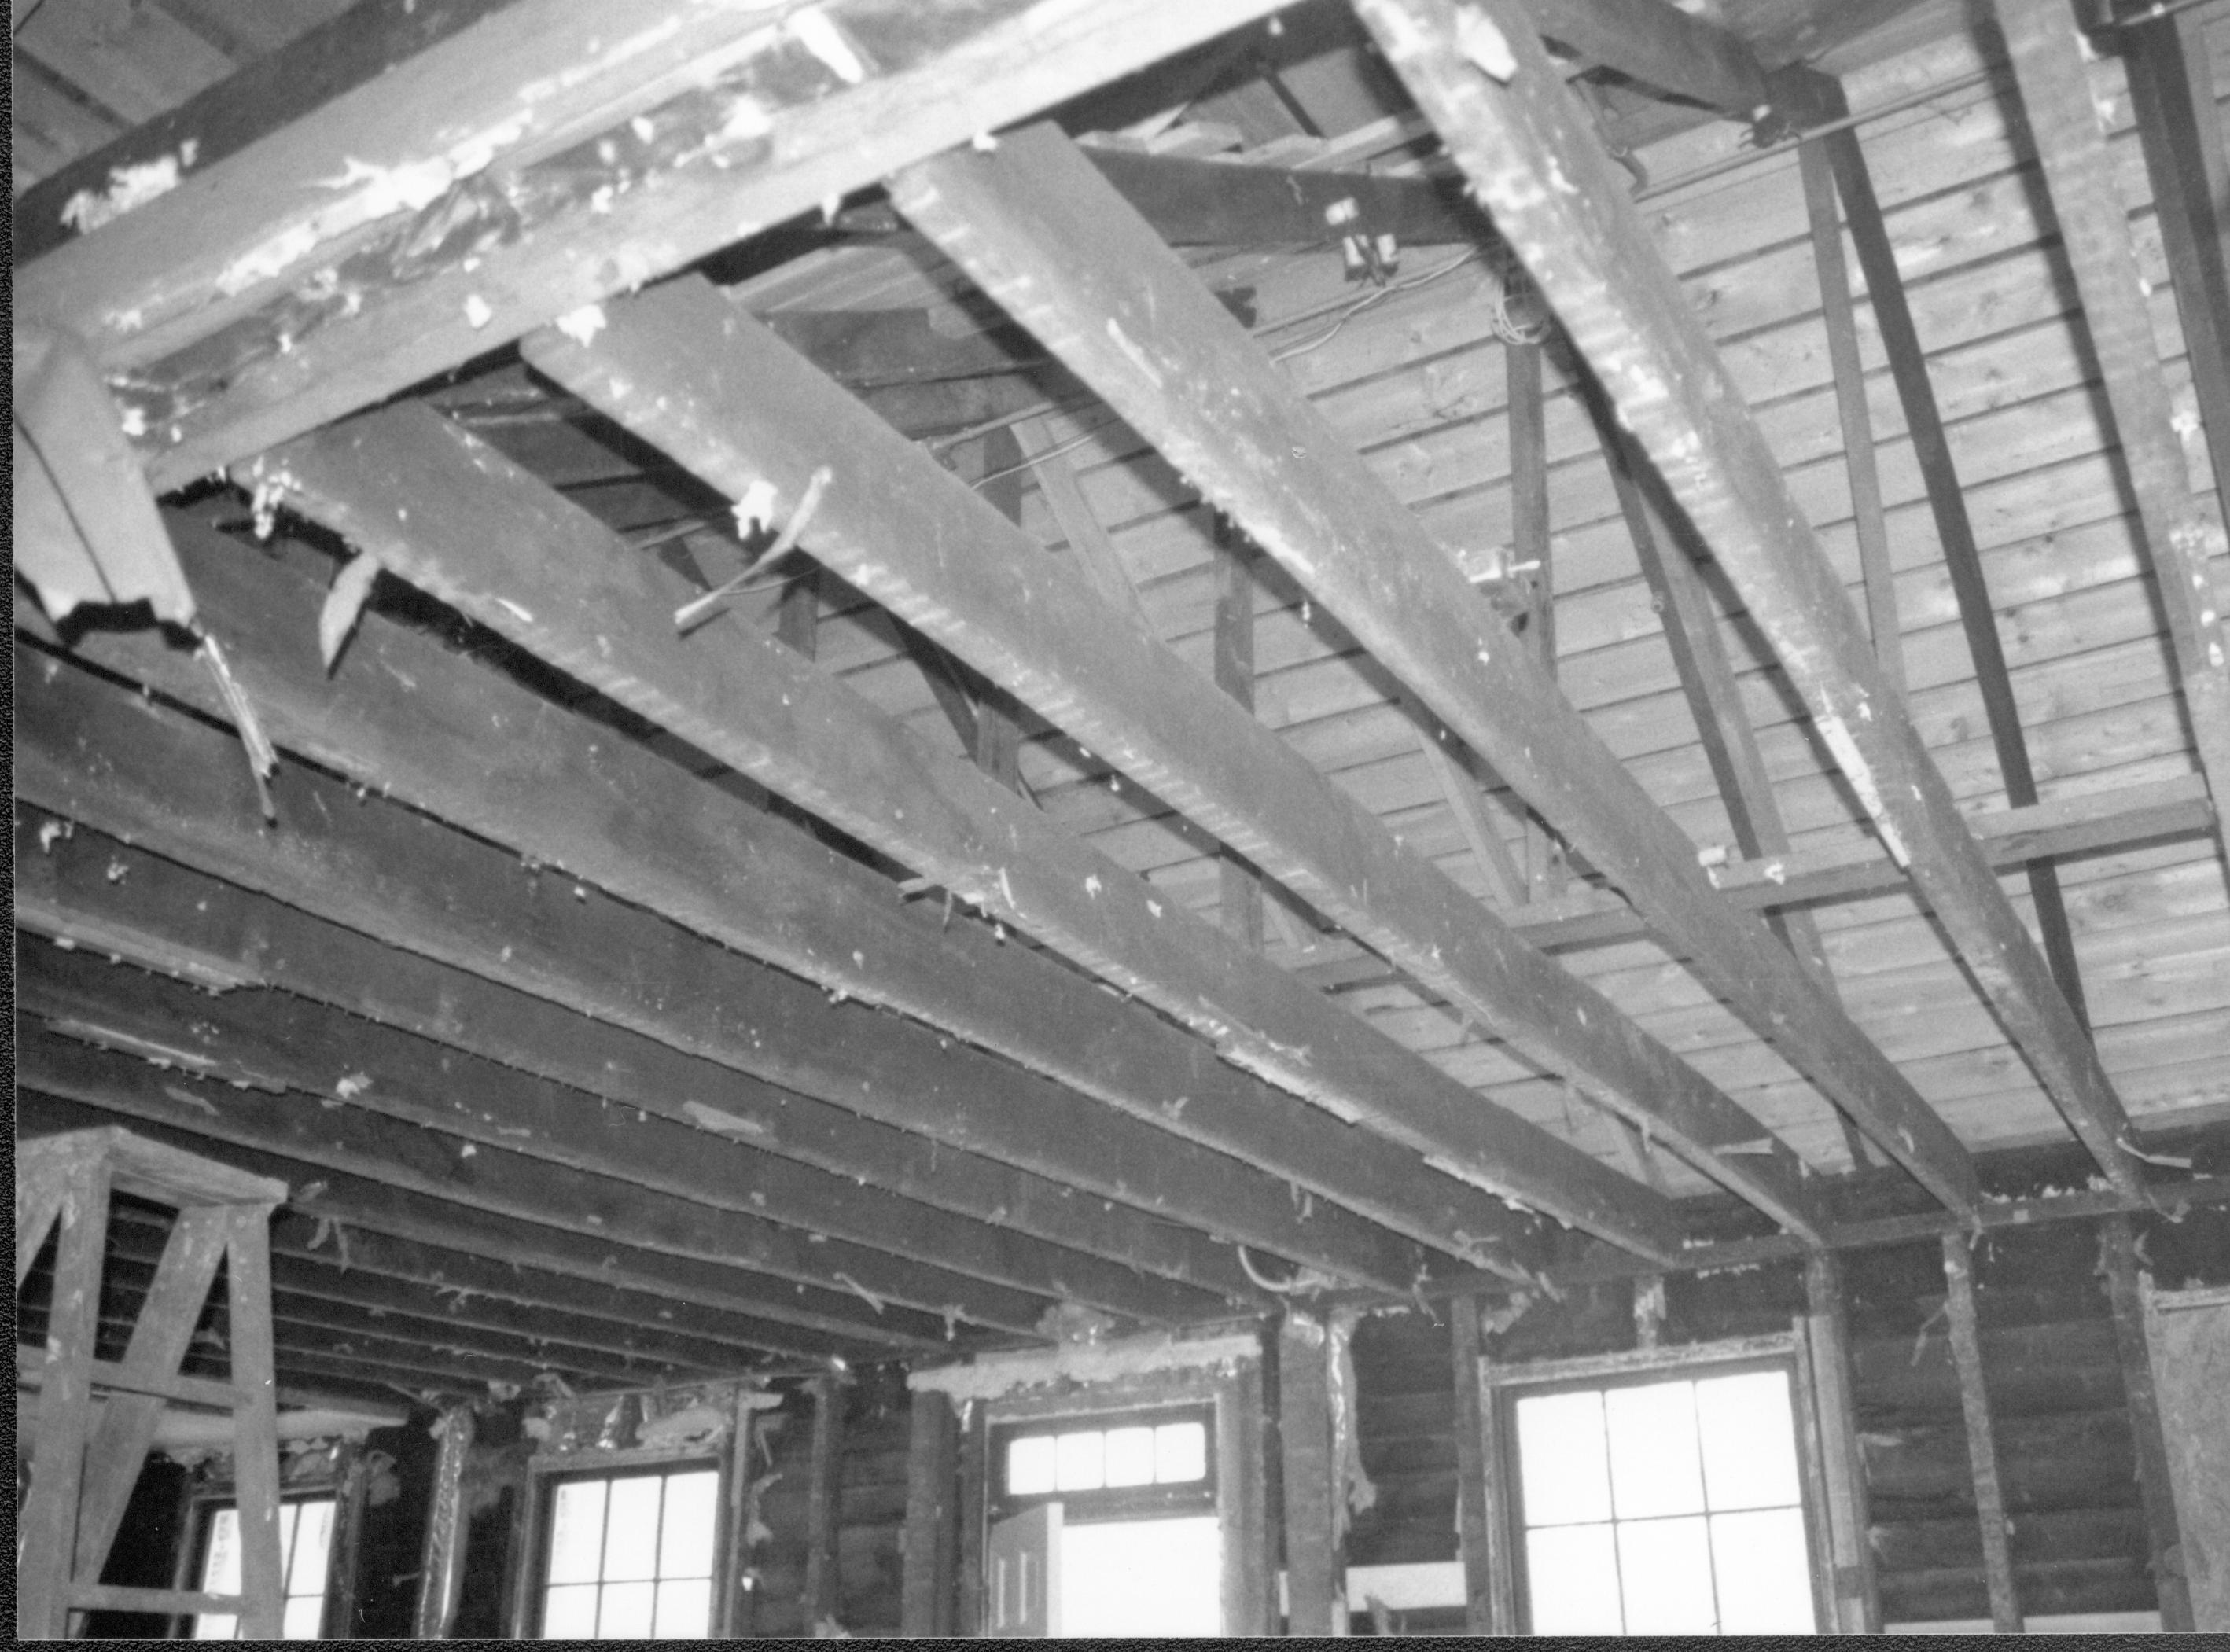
2055,1385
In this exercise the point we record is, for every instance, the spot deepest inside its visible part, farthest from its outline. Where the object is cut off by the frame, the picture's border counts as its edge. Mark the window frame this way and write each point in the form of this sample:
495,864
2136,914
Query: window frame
1232,1397
544,1480
203,1506
1501,1387
1149,1501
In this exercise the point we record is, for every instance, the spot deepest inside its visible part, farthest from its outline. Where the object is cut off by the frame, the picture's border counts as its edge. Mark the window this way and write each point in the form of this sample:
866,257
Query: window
1657,1505
1110,1467
630,1555
306,1542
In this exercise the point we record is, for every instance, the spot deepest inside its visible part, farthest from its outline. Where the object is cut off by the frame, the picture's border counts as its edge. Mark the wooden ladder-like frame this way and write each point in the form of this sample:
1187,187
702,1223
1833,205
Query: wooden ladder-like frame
86,1457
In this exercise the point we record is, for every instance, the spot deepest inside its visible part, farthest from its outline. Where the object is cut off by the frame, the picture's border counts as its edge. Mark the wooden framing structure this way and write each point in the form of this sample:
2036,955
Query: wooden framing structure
934,665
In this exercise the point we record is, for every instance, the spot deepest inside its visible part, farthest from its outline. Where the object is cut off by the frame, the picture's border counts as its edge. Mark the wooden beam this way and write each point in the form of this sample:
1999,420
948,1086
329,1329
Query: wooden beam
472,1105
1239,887
824,1494
1482,1522
282,302
2185,543
1533,551
1310,1477
929,1540
1661,45
91,890
1856,1602
363,1195
1033,226
2118,1262
606,617
670,366
1087,538
2172,93
1588,249
1233,204
1838,315
1982,1445
542,792
1947,501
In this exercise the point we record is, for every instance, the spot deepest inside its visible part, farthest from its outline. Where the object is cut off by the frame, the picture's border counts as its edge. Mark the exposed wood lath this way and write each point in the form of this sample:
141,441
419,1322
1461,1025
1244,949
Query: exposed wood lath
1233,743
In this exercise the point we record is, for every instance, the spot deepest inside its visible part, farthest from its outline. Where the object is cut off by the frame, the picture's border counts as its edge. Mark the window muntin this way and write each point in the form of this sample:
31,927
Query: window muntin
306,1541
630,1555
1663,1504
1108,1466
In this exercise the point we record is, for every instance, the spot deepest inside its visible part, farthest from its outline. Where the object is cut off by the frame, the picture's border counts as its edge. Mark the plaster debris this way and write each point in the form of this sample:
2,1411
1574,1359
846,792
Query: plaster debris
582,326
1482,43
813,29
477,313
128,187
352,1086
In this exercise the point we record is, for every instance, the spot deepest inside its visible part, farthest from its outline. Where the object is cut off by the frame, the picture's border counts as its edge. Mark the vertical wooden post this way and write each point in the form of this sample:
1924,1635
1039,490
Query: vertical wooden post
256,1423
1305,1430
1981,1446
975,1472
2117,1261
344,1575
442,1567
1480,1508
1856,1601
1239,887
48,1526
824,1499
926,1593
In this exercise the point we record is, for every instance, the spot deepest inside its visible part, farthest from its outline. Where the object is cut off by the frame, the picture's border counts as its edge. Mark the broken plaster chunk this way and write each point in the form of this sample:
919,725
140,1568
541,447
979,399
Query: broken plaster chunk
1482,42
582,326
813,29
477,313
352,1086
128,187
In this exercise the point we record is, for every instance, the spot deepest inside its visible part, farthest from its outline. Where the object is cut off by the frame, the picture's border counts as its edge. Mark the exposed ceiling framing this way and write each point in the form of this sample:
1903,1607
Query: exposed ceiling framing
1003,660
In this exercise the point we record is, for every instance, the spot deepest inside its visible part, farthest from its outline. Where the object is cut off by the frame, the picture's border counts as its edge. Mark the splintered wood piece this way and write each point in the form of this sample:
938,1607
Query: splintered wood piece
407,716
2183,542
1660,45
1527,148
500,534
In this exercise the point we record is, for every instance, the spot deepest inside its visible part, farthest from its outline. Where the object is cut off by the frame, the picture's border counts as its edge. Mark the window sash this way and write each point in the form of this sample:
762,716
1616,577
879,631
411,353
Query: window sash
639,1606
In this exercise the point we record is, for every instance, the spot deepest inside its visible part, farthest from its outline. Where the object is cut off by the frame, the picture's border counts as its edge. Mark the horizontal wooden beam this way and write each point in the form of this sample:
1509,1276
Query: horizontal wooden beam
90,890
2091,823
1533,155
77,1086
406,226
405,714
719,393
473,1106
1195,202
593,1207
606,616
1037,231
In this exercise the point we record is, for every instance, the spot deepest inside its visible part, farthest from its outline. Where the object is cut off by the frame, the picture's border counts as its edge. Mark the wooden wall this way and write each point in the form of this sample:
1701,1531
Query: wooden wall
2080,1541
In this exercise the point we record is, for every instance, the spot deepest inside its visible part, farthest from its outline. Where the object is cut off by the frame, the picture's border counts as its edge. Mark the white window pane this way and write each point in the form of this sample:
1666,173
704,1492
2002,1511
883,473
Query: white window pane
631,1532
221,1565
1665,1577
1571,1577
1561,1461
1131,1456
308,1545
1764,1572
1077,1465
685,1610
1030,1466
577,1532
569,1612
1654,1469
1749,1440
303,1617
1180,1453
215,1626
685,1535
627,1609
1139,1579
